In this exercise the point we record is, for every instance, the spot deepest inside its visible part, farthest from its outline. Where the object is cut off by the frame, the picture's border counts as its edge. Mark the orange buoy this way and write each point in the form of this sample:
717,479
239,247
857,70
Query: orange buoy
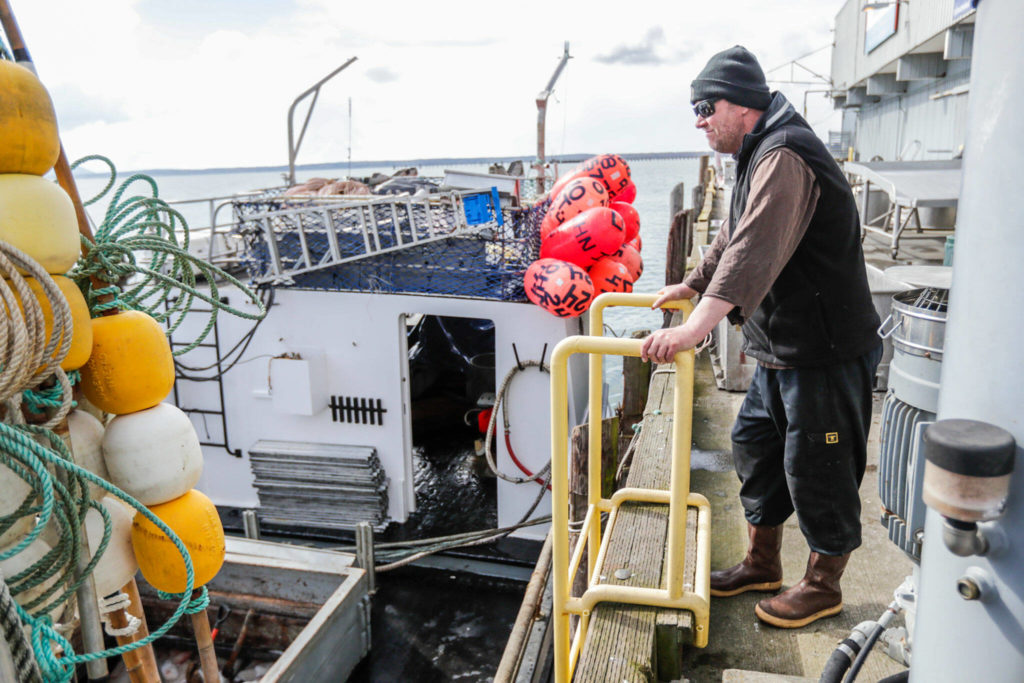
561,288
609,275
28,123
131,367
39,218
637,243
81,325
193,518
576,197
630,257
610,169
561,183
628,194
587,238
630,215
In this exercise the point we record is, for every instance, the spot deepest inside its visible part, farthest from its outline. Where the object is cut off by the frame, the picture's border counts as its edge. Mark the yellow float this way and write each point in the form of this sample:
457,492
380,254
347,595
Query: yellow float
37,216
131,367
28,123
81,324
193,517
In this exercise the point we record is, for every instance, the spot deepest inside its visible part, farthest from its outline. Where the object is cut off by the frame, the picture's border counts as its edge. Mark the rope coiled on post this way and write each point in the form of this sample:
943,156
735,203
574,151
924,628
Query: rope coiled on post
138,255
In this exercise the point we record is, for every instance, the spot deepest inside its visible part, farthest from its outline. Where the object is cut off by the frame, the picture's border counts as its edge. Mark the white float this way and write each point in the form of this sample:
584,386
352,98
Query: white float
13,490
22,561
118,565
86,438
154,454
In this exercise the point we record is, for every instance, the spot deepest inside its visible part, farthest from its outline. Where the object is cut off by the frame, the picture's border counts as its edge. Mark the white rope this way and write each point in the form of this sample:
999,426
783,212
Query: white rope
113,603
499,399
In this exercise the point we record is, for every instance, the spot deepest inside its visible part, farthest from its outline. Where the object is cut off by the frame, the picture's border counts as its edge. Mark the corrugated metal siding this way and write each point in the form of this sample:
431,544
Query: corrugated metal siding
919,21
940,125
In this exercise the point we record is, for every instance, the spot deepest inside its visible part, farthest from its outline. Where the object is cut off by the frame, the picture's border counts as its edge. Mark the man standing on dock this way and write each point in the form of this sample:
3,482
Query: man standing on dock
788,266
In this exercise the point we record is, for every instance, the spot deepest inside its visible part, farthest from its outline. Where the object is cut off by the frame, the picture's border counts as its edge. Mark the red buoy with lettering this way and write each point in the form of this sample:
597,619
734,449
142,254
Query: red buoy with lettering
637,243
562,289
630,215
630,257
628,194
609,275
610,169
576,197
587,238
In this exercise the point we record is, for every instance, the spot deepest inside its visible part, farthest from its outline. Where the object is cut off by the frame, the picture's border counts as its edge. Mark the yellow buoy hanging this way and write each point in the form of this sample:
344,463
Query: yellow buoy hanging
193,517
153,455
131,367
28,123
81,324
37,216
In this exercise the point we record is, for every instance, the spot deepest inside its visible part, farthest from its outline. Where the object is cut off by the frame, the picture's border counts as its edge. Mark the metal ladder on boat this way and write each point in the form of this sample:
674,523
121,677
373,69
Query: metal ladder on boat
369,226
678,497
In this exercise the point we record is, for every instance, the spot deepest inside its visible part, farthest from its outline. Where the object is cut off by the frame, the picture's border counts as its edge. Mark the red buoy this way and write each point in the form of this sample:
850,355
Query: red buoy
637,243
587,238
610,169
630,215
628,194
562,182
630,257
577,196
609,275
560,288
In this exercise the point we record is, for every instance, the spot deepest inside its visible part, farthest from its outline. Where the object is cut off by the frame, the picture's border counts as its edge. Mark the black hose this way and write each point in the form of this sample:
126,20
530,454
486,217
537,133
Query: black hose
901,677
862,656
837,664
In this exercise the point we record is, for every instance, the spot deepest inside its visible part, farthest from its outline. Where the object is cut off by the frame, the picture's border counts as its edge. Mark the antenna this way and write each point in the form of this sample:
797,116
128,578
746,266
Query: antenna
349,137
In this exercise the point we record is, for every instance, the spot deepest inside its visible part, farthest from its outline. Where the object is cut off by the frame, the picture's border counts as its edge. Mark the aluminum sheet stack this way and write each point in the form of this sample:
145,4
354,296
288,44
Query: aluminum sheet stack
323,486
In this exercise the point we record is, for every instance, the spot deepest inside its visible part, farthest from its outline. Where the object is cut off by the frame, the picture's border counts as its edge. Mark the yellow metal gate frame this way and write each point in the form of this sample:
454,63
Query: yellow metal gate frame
678,497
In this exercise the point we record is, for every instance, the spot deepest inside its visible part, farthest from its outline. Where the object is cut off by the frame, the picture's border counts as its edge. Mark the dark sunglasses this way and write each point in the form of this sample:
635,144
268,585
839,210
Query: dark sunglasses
704,108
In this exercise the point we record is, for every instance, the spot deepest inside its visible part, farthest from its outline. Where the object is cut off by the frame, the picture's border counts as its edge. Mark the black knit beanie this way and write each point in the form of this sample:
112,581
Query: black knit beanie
734,75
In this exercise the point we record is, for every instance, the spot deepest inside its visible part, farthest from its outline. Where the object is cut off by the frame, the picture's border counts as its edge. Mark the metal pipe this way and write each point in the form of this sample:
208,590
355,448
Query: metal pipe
542,112
509,664
293,146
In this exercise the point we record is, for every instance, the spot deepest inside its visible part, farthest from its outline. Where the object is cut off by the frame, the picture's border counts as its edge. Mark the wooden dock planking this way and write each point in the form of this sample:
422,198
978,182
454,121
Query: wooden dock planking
629,642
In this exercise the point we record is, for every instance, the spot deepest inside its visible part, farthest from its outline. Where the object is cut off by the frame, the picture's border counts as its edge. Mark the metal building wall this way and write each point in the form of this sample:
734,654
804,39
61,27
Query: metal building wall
939,124
919,22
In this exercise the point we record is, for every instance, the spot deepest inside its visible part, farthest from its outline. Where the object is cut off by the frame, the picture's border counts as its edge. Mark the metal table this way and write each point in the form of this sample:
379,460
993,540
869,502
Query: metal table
911,185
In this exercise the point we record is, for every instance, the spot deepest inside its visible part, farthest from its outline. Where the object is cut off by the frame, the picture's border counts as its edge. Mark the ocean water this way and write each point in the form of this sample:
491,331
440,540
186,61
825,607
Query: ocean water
654,181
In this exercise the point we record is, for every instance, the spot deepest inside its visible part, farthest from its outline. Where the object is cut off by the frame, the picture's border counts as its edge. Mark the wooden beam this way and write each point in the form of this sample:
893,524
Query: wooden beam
959,42
920,67
885,84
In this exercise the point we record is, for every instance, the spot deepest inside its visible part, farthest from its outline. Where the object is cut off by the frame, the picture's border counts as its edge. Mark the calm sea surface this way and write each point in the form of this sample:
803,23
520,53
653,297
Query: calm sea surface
654,181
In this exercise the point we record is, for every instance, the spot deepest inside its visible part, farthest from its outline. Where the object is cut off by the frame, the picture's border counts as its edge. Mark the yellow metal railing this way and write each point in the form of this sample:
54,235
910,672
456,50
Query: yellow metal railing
678,497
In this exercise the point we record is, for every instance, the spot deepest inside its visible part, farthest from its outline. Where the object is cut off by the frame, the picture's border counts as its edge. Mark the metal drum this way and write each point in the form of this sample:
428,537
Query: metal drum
917,327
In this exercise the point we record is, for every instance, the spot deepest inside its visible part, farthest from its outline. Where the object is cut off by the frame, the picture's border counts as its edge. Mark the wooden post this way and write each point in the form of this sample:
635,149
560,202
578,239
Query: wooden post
204,641
676,253
636,383
146,657
703,173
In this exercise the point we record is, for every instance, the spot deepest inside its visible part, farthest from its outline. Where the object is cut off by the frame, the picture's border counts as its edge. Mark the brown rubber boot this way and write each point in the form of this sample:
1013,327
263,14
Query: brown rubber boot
760,570
816,596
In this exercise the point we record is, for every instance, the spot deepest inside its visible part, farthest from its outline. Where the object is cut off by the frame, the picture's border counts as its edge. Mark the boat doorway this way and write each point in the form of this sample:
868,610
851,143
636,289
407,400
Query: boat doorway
448,382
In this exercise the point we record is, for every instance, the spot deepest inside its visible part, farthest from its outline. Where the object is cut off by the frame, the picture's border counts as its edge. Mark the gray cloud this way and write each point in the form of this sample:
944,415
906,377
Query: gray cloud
381,74
75,107
646,52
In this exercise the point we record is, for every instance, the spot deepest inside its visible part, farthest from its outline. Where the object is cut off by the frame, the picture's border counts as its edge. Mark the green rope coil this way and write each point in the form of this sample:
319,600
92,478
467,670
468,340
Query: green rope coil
141,249
21,452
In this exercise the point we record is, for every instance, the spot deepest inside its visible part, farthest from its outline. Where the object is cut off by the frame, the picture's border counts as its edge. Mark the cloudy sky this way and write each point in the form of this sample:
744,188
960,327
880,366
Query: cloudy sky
208,83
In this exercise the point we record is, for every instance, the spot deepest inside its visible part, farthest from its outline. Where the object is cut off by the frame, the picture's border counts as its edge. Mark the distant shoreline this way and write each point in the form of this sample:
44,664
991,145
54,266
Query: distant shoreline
559,158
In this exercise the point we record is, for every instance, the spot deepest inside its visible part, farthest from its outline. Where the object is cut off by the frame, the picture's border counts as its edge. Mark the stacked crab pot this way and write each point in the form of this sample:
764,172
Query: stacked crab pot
590,242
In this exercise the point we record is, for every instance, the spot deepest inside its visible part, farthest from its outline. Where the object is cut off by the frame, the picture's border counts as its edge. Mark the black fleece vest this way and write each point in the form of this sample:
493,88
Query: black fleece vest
819,309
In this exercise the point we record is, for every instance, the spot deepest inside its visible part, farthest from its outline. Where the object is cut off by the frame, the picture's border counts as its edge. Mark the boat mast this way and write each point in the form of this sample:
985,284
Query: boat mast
314,90
542,111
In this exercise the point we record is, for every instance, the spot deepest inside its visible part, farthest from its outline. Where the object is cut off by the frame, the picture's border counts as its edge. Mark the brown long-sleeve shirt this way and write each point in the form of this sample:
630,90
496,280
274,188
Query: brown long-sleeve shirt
743,263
